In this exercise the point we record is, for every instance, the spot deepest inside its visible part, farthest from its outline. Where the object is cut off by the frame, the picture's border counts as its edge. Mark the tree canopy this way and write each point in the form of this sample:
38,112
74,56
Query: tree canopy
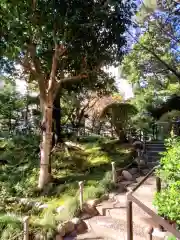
152,66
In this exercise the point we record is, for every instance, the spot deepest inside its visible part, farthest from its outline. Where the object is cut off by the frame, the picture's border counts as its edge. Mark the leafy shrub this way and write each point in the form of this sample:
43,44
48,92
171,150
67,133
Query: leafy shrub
107,183
19,176
102,187
168,200
171,238
10,226
92,192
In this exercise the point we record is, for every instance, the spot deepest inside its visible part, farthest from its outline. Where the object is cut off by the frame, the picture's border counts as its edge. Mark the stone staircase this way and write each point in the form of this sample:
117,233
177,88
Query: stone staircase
153,151
112,223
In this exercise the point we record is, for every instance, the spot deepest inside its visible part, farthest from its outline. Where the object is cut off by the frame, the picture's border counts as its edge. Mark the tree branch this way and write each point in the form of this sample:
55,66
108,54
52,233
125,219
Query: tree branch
37,70
168,67
67,79
53,69
58,52
35,59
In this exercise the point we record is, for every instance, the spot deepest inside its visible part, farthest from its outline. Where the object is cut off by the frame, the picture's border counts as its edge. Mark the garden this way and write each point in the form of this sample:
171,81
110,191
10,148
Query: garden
65,117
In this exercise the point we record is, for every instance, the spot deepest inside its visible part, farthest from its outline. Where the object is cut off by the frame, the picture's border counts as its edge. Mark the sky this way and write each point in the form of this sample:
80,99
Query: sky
122,84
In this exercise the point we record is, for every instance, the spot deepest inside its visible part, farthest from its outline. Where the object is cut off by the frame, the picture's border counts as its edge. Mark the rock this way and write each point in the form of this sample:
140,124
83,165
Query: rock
72,236
43,206
93,202
120,178
140,161
119,172
76,220
60,209
58,237
145,171
158,233
69,227
61,230
112,195
24,200
127,175
91,210
81,227
133,170
85,216
38,236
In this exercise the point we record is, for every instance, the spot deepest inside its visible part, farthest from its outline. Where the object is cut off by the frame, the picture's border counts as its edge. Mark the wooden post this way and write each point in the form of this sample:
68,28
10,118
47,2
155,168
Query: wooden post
45,236
158,184
26,228
81,194
129,220
149,232
113,172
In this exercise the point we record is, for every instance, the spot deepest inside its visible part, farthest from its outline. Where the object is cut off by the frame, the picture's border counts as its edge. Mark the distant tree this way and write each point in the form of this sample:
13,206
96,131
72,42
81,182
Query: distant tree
152,66
11,105
119,114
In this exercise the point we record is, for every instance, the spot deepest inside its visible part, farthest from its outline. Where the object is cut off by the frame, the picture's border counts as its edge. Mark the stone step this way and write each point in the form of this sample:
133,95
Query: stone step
159,149
90,235
116,208
155,143
154,154
109,228
112,222
157,157
151,157
152,163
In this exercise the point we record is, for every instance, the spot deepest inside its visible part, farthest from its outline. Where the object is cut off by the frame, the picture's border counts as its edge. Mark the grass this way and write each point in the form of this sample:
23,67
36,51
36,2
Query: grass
91,164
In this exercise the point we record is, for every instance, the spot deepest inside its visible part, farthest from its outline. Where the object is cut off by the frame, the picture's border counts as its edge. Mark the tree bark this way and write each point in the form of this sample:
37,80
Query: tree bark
57,119
121,134
56,126
44,175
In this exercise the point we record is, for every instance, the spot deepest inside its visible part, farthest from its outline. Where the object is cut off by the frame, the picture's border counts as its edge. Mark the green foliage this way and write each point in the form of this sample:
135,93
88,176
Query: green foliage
10,226
87,29
18,179
171,238
107,183
152,65
102,187
119,114
168,201
19,174
11,104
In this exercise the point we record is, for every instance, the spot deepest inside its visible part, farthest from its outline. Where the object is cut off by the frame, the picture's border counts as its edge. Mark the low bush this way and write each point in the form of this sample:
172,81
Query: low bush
10,226
168,200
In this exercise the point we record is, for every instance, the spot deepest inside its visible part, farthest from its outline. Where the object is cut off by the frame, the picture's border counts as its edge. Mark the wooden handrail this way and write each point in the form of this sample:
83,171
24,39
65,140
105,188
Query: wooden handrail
143,180
131,199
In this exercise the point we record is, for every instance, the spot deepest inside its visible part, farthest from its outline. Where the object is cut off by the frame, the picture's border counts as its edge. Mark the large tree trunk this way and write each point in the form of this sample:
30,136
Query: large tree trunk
44,175
57,120
56,126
